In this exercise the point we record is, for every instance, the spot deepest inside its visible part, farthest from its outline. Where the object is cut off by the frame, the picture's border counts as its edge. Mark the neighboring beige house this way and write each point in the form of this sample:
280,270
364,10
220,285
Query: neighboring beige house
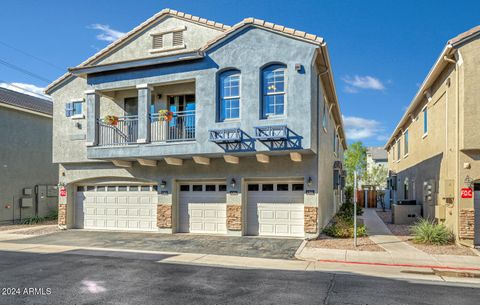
376,157
434,151
188,125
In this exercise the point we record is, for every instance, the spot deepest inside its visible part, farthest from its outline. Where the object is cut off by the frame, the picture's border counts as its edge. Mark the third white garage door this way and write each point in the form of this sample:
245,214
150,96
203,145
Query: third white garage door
275,209
203,208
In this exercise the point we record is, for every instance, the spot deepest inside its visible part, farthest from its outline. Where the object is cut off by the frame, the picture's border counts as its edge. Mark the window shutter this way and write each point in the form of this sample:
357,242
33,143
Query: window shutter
68,109
177,38
158,41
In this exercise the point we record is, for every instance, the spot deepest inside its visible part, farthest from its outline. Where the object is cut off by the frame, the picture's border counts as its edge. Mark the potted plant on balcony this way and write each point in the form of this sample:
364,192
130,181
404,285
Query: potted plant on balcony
165,115
111,120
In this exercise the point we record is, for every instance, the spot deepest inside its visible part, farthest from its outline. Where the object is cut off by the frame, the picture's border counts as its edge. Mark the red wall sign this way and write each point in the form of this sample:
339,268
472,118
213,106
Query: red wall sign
467,192
63,192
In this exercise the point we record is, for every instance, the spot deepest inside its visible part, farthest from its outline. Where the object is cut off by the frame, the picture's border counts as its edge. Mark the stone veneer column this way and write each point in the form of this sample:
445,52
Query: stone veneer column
234,208
93,112
164,213
310,211
467,224
144,101
62,211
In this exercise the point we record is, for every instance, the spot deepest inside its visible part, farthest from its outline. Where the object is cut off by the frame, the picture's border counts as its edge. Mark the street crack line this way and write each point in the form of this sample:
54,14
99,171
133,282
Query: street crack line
329,290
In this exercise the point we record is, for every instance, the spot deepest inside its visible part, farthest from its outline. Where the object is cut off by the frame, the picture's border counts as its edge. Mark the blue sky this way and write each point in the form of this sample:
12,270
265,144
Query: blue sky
380,50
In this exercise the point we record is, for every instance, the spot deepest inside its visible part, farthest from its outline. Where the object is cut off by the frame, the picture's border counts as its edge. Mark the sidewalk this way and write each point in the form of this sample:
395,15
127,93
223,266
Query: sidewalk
398,253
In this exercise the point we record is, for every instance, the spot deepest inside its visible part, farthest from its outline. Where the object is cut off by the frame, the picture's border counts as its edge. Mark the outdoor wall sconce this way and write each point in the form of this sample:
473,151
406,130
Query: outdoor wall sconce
233,183
163,184
310,181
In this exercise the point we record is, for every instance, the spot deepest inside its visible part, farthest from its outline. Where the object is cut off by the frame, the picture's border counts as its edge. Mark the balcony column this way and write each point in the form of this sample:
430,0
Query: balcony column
144,102
93,112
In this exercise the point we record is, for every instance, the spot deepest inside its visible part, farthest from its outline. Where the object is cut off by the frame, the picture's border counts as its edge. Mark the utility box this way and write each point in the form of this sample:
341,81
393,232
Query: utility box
440,212
26,202
406,214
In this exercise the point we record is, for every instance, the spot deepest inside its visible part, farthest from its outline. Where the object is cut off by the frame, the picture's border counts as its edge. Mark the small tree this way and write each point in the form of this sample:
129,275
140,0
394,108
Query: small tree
377,177
355,160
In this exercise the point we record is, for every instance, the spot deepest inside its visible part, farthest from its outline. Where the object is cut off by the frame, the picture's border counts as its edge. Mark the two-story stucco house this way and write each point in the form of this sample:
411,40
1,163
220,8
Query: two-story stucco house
189,125
28,177
434,152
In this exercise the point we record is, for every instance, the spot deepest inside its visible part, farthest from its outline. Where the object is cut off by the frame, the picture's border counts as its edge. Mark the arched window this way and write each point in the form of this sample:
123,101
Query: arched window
273,78
229,107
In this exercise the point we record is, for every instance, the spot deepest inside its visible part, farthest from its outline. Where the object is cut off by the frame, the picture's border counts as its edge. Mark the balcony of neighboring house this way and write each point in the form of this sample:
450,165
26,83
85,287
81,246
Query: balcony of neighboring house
145,115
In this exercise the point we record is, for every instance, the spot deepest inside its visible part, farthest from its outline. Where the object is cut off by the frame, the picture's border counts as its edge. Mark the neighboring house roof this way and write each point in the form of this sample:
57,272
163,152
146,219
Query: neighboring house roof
377,153
25,101
432,75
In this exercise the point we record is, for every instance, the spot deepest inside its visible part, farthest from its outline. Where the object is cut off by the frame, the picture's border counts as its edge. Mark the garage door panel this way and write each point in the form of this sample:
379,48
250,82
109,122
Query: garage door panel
116,210
275,213
203,211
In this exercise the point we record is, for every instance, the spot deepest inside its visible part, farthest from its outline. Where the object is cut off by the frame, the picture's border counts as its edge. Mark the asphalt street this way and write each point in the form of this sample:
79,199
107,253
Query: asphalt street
27,278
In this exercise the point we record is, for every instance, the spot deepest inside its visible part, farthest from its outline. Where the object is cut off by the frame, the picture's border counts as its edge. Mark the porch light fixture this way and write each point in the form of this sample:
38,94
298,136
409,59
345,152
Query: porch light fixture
310,181
163,184
233,183
468,181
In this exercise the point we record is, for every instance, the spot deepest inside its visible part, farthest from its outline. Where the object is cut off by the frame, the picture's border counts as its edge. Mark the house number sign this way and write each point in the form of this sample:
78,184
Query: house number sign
467,192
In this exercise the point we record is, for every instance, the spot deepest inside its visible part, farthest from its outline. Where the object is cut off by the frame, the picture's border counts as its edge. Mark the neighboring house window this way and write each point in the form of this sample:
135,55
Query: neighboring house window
74,109
405,189
425,121
405,143
273,91
229,95
398,150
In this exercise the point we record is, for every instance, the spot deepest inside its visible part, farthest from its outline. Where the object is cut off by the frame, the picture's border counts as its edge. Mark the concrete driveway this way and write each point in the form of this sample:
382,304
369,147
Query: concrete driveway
183,243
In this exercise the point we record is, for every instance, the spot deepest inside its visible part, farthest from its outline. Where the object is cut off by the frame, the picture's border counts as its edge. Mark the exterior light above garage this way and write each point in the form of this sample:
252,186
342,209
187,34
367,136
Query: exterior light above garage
310,181
233,183
163,184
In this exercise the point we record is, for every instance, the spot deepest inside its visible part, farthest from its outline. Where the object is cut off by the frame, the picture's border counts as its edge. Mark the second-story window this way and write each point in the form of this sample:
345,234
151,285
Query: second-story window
273,78
398,150
324,117
405,143
229,95
74,109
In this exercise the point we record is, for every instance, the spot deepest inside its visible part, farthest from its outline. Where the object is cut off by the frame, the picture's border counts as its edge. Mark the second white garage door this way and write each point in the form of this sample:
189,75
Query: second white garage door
275,209
203,208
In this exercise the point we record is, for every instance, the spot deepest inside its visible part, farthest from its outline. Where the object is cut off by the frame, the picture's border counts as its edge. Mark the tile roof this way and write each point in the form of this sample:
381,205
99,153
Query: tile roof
464,35
25,101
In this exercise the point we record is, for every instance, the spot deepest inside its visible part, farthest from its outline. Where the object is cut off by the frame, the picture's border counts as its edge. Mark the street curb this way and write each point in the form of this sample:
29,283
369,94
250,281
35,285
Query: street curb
398,265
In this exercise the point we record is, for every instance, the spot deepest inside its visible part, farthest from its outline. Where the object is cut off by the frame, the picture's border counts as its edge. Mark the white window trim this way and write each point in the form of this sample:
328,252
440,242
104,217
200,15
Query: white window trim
239,97
425,134
284,92
81,115
404,138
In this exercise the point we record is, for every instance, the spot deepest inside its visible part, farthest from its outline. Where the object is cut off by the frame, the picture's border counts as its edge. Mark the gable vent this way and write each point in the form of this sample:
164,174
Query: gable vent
158,41
177,38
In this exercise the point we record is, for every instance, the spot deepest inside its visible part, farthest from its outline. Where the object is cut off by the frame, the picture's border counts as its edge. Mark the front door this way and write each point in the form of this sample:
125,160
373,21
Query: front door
476,205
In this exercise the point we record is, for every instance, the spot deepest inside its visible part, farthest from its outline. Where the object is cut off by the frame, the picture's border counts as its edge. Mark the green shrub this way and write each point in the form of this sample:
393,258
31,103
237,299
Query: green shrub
349,194
346,211
428,232
343,228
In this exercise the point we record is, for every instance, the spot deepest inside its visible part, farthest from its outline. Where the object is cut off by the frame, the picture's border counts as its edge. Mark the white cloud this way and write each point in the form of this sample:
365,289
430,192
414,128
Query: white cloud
106,33
356,83
360,128
29,89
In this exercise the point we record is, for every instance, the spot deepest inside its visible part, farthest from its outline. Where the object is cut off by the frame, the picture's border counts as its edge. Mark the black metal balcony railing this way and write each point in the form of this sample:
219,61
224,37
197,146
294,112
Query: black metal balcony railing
180,128
124,132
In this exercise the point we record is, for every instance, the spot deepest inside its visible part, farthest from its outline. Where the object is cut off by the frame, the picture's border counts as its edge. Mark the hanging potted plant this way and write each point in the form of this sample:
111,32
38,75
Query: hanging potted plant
111,120
165,115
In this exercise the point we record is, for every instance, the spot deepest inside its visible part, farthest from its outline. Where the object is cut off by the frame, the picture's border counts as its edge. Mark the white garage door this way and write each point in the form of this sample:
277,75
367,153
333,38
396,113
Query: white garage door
203,208
116,207
275,209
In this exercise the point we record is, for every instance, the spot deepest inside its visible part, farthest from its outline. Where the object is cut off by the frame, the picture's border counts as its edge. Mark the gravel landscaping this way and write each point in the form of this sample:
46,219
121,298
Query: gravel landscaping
327,242
403,233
